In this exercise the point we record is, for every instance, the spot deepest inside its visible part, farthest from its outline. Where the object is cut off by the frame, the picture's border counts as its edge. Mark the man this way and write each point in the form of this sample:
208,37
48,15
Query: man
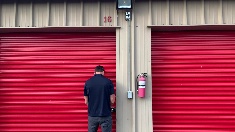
99,95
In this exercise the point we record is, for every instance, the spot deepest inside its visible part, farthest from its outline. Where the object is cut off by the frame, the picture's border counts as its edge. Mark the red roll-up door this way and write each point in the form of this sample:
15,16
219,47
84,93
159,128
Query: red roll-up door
42,78
193,81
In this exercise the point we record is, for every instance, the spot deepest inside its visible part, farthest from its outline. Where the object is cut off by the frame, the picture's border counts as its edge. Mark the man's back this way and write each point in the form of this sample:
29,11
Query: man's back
99,89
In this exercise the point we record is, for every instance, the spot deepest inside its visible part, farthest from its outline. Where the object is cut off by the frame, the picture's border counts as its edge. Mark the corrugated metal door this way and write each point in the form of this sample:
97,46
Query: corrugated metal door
193,81
42,79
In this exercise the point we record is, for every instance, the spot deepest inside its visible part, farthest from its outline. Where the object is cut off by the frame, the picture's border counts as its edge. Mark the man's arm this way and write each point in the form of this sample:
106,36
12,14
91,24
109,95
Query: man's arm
86,94
112,98
112,93
86,100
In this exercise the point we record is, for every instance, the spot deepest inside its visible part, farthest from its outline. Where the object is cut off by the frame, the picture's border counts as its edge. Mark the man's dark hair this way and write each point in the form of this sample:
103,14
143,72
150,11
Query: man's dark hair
99,68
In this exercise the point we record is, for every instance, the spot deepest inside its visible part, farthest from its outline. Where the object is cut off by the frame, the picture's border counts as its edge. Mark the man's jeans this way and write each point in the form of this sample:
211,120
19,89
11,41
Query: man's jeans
104,122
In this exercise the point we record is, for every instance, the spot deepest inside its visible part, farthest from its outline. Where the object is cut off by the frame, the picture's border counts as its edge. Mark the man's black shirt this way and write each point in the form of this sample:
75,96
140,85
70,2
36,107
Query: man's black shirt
98,89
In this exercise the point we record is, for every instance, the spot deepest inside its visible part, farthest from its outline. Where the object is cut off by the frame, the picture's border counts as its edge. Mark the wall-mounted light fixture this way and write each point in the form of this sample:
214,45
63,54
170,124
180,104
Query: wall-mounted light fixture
124,4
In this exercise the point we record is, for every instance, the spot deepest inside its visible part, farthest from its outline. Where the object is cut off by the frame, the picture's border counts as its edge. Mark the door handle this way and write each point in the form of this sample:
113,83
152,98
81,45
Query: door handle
113,109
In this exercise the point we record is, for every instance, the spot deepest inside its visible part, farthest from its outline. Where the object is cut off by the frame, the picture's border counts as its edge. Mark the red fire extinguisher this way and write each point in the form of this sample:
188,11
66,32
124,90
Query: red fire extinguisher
141,84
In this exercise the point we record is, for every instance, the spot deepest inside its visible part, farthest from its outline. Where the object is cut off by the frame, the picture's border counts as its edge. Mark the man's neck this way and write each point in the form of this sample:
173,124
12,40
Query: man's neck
99,73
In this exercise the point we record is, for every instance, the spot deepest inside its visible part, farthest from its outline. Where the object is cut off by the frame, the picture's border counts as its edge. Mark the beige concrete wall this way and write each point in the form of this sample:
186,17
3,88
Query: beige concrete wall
44,13
124,114
142,46
134,115
192,12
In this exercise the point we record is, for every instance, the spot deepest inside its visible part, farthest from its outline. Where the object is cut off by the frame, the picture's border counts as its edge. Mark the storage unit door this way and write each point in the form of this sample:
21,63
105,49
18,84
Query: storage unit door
193,81
43,75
